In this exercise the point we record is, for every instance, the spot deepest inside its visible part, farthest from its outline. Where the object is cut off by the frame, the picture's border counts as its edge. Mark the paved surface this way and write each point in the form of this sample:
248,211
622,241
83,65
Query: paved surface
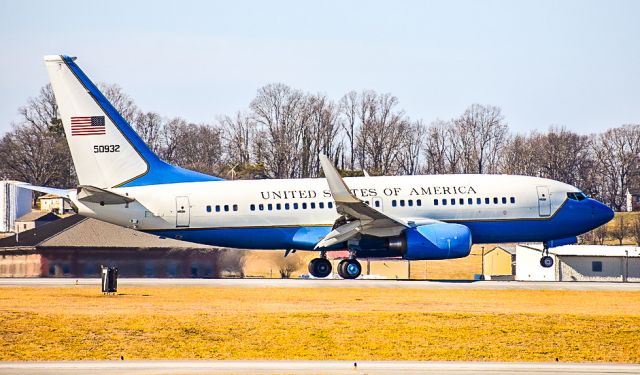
307,367
315,283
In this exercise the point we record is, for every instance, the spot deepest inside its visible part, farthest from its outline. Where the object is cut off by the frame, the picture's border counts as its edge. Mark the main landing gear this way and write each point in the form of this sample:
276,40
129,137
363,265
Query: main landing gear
347,268
546,261
320,267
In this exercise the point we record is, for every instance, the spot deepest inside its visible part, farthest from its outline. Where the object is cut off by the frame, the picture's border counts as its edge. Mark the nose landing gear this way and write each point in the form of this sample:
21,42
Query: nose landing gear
546,261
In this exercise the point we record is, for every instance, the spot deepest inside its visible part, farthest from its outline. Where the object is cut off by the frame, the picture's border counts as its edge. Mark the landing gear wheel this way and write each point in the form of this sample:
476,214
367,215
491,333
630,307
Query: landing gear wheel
546,261
320,267
349,269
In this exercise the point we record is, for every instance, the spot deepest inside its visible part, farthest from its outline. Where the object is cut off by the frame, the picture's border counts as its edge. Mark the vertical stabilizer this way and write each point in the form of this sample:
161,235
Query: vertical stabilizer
106,151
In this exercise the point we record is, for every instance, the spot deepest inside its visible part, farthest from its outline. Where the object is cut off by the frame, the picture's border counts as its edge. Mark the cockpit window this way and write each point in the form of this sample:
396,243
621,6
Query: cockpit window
577,196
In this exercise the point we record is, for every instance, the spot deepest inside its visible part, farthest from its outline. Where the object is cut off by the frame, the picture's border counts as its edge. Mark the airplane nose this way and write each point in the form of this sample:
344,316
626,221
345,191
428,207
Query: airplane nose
601,212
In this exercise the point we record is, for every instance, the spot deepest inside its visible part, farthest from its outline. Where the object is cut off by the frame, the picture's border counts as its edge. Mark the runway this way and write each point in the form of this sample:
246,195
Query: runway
308,367
330,283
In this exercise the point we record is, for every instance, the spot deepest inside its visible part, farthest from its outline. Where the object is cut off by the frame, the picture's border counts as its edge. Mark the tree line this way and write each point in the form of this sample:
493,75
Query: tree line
283,130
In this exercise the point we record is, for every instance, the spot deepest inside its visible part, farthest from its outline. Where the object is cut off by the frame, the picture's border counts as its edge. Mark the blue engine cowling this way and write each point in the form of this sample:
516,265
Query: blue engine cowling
435,241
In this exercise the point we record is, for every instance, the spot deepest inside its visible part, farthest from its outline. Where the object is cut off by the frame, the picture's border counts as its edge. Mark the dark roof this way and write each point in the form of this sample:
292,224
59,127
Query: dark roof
38,216
79,232
32,237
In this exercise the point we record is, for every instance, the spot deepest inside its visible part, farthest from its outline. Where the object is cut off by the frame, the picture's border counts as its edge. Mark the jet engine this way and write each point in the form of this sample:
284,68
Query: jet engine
433,241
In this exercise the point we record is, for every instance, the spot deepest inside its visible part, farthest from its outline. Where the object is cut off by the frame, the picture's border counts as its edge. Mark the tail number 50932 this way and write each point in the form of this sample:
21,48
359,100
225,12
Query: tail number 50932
106,148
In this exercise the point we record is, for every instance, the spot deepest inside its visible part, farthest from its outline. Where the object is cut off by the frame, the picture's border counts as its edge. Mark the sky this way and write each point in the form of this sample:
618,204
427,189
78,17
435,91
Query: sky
565,63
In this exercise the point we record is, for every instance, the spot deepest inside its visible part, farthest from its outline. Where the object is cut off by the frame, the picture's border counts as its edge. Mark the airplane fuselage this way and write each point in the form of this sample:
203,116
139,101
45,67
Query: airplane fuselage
295,213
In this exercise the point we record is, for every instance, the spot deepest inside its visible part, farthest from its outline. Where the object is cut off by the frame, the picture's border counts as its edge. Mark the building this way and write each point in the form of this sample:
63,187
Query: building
14,202
499,263
34,219
76,247
579,263
633,200
53,203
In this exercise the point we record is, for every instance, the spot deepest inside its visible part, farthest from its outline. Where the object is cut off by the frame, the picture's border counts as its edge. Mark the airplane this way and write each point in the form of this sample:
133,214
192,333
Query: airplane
425,217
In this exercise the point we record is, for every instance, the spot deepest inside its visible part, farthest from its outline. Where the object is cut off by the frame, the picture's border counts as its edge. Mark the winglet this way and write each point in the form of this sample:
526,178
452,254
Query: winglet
338,187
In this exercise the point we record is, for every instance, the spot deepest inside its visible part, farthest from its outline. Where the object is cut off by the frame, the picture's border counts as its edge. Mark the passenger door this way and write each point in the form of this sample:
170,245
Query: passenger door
544,201
182,212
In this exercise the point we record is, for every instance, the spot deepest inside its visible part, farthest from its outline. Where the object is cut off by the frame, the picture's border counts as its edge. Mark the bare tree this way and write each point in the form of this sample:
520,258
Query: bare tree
383,128
239,133
282,113
635,230
617,152
349,122
232,261
150,127
436,147
286,265
481,134
35,150
601,234
411,148
620,228
120,100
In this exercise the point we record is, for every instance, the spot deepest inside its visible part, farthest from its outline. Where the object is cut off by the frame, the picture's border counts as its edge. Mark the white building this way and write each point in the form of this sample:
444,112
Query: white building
14,202
633,201
579,263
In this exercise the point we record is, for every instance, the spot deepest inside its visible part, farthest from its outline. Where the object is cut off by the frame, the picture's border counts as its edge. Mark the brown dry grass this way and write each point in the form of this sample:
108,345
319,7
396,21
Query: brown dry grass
246,323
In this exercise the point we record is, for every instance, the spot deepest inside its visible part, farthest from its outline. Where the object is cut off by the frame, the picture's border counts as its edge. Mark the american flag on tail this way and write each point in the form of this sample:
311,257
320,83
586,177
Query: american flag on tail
87,125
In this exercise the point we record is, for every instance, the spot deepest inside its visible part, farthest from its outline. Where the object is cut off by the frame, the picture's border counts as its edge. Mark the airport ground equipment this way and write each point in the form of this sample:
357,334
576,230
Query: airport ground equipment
109,279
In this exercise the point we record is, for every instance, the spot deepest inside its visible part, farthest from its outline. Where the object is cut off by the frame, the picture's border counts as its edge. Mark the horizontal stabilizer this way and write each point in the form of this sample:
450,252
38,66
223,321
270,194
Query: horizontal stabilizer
92,194
63,193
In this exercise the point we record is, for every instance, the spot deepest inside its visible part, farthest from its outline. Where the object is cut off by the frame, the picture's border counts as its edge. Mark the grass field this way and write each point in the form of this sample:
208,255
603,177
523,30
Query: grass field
245,323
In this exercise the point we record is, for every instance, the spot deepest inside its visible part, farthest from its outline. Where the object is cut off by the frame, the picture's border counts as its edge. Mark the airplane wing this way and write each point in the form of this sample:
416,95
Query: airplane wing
357,217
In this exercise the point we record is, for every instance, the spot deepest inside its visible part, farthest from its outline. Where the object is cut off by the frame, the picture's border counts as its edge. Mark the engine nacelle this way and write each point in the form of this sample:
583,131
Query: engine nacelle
433,241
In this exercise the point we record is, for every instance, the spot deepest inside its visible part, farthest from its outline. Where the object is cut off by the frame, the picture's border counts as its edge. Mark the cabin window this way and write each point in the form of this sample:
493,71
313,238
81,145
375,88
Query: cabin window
444,202
252,207
453,201
418,202
470,201
226,208
495,200
410,202
313,205
393,203
596,266
330,205
278,206
377,203
217,208
261,207
504,200
513,200
321,205
304,205
478,200
295,206
235,207
461,201
487,201
401,202
435,202
286,206
270,207
208,208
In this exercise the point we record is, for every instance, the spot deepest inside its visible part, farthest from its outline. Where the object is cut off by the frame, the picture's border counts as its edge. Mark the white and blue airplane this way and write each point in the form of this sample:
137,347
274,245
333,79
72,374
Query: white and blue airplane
414,217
